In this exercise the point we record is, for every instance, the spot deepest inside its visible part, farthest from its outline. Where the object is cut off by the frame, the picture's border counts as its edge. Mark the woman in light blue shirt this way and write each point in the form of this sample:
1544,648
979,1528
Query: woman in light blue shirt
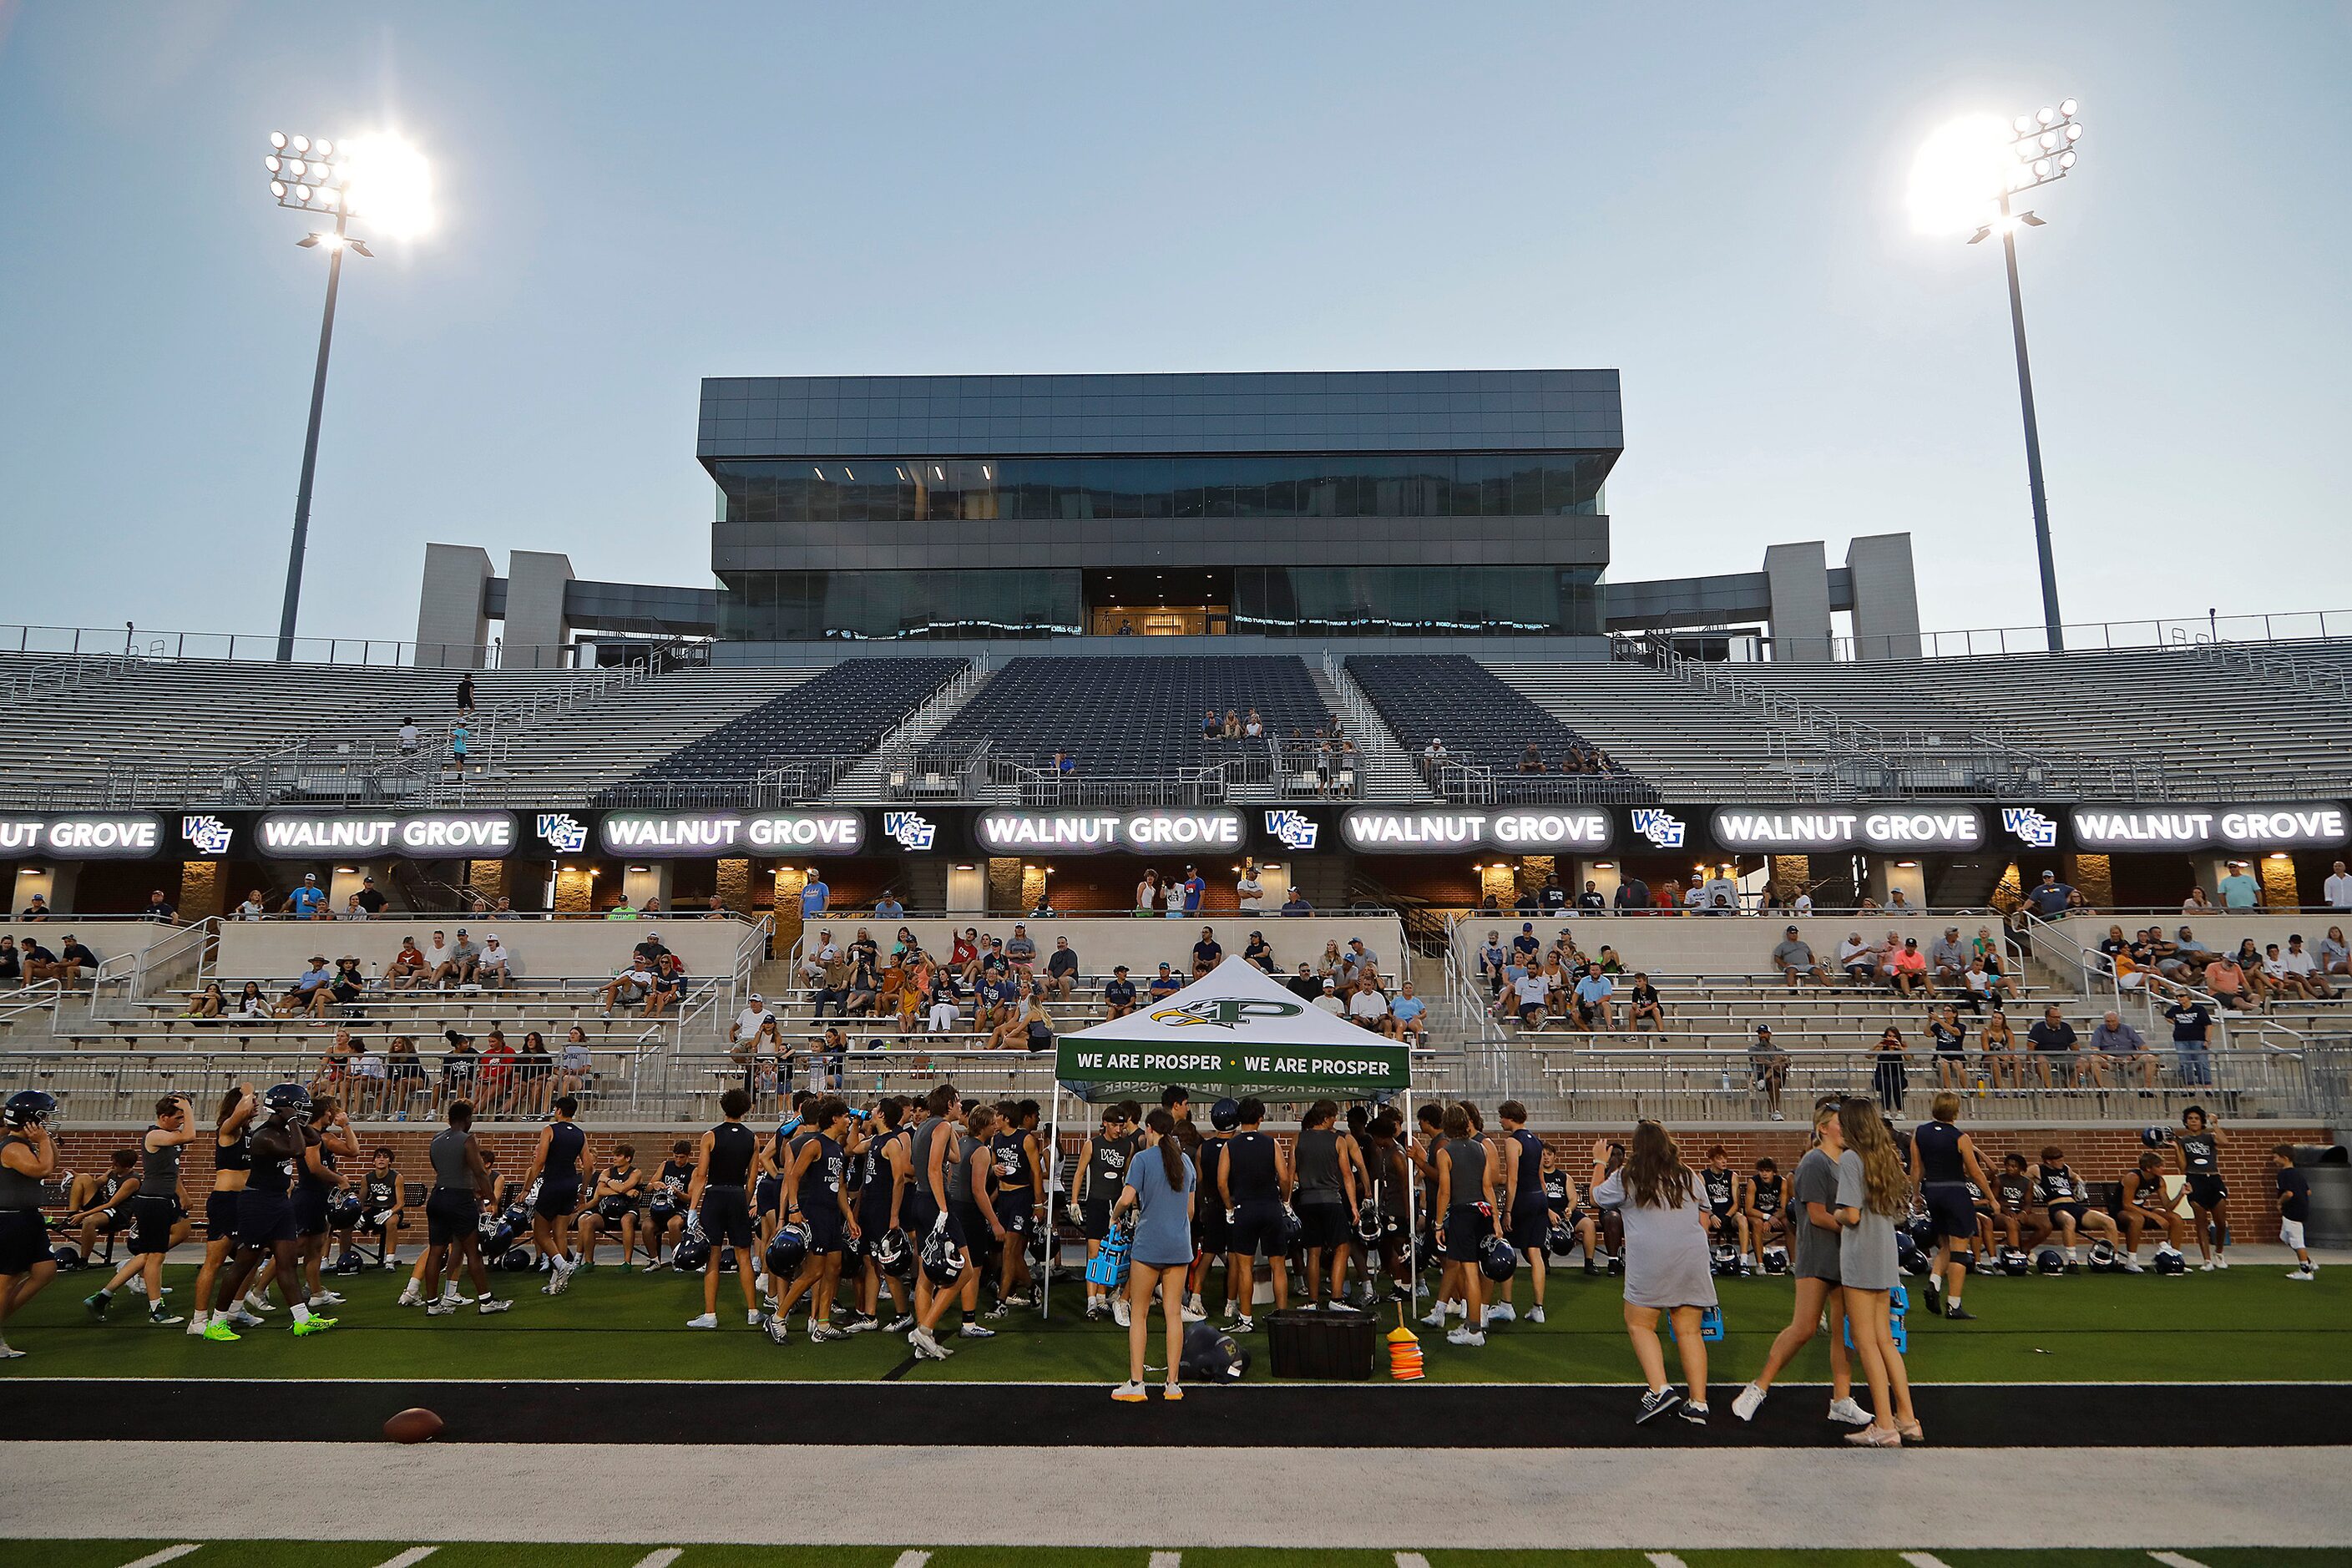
1159,1194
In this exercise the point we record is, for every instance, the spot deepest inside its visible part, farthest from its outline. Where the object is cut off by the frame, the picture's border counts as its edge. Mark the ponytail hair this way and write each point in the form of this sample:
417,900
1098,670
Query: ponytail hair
1172,1153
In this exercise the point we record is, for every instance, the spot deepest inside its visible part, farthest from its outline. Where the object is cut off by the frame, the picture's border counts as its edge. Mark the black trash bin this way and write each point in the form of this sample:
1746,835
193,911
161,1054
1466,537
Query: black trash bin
2329,1169
1334,1346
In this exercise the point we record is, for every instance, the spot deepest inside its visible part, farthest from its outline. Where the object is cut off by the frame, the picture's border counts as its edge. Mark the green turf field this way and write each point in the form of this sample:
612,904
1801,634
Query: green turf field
367,1554
2249,1324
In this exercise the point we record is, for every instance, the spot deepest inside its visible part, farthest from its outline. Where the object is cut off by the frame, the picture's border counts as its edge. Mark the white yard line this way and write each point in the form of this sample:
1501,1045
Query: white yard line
1411,1560
409,1558
912,1560
154,1559
1924,1560
2175,1560
1167,1560
659,1559
1666,1560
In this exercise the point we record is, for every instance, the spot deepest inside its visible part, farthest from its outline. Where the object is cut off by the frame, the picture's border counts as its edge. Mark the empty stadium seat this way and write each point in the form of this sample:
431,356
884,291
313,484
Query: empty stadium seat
1483,721
1133,717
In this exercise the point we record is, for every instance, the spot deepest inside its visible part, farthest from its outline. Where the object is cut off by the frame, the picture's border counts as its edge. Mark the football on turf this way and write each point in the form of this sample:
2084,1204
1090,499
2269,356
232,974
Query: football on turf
413,1426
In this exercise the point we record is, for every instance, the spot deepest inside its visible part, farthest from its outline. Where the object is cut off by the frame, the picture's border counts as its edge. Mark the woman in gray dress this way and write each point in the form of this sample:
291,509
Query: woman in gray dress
1666,1223
1872,1192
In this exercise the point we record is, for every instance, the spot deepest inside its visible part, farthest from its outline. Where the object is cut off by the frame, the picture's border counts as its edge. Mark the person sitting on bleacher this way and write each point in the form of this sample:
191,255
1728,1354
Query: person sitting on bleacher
1410,1014
350,983
2227,981
1211,727
1907,970
628,985
1532,993
1021,950
1368,1008
465,959
1531,760
1207,952
1260,953
1593,995
1793,957
1062,968
816,954
998,996
99,1205
1493,963
1329,1000
406,970
1643,1008
1858,959
313,989
1949,959
1307,985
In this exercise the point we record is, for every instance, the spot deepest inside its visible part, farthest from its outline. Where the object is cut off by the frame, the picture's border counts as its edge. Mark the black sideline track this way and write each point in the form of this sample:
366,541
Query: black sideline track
1327,1415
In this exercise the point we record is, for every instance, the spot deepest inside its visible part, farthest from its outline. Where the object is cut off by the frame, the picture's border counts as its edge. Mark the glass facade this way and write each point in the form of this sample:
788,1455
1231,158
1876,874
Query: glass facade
1416,600
885,606
880,490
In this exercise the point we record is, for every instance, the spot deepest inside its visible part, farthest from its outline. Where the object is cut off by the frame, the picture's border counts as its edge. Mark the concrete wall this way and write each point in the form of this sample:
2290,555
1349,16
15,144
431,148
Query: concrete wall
451,628
536,629
280,950
1886,597
1716,945
1799,590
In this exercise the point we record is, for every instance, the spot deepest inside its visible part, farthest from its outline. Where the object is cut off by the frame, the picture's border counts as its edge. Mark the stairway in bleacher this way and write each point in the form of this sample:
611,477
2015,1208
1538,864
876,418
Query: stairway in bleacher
1386,773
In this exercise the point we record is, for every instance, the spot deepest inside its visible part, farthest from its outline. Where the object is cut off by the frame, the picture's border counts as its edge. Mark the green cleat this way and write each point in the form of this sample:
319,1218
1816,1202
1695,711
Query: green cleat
218,1328
313,1325
98,1302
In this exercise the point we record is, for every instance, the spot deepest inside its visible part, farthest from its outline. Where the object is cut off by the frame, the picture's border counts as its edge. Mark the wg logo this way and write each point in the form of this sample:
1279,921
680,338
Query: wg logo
1223,1013
1295,830
2029,825
564,832
911,830
1662,828
206,835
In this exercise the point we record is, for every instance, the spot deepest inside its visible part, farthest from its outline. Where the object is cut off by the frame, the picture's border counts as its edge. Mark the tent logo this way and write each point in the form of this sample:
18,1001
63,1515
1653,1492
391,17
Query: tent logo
1660,827
1295,830
1225,1012
911,830
565,833
2029,825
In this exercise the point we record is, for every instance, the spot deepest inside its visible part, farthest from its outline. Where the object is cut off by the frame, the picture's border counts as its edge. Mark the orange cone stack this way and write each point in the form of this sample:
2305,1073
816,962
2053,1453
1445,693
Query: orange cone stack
1404,1354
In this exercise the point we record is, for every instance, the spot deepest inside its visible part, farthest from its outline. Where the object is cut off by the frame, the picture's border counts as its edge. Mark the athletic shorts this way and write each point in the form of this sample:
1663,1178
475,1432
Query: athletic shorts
310,1211
116,1222
1015,1213
2291,1234
1256,1228
1530,1227
220,1215
2207,1190
957,1235
264,1219
1465,1231
1322,1224
766,1194
155,1217
24,1240
1094,1218
726,1216
874,1210
968,1228
2073,1211
555,1202
1950,1209
1209,1227
451,1214
826,1231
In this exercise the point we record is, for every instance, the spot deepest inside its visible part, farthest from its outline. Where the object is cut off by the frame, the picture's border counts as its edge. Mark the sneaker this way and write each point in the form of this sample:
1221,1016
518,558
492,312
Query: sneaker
2222,1261
1846,1412
1747,1402
162,1319
197,1327
1192,1314
974,1332
389,1262
708,1321
98,1301
1777,1115
243,1319
2132,1265
1241,1326
1193,1304
928,1349
1128,1392
324,1299
1094,1309
313,1325
1502,1312
1655,1403
859,1324
1001,1310
450,1294
1875,1437
2306,1272
1171,1392
441,1309
412,1296
823,1333
899,1324
777,1331
1958,1314
489,1304
1535,1314
559,1278
1693,1413
1436,1319
220,1331
256,1305
1934,1292
751,1316
9,1352
1466,1335
1121,1312
2207,1267
1018,1301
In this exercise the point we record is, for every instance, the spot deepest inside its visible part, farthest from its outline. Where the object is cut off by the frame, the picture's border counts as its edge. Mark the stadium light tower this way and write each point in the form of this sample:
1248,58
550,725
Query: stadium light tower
383,180
1964,181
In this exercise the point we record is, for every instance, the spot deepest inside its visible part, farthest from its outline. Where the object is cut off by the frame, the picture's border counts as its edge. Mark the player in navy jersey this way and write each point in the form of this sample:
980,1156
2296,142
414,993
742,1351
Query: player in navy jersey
555,1169
816,1198
2199,1143
1949,1172
718,1202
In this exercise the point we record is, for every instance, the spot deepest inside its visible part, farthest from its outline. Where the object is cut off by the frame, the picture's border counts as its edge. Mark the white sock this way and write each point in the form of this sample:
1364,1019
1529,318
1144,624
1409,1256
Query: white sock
200,1317
301,1313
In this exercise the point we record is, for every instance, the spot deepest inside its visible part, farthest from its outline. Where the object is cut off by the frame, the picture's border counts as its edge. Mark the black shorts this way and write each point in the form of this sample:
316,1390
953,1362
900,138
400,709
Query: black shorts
766,1194
1015,1213
826,1233
310,1211
1950,1209
1466,1232
2073,1211
2207,1190
874,1209
726,1216
220,1215
1094,1218
1256,1228
450,1215
264,1219
24,1240
1322,1224
156,1218
555,1202
1209,1227
968,1228
1530,1227
918,1214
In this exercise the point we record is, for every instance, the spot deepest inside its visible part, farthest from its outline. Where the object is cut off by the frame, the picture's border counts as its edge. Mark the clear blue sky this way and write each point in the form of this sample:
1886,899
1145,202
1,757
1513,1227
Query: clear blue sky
635,196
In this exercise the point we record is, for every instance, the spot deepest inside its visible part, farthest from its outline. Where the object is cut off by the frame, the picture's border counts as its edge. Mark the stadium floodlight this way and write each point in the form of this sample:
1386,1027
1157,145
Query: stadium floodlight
1964,180
386,183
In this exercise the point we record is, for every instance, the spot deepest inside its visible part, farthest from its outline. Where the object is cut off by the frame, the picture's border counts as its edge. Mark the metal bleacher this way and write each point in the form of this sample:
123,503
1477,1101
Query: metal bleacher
1482,723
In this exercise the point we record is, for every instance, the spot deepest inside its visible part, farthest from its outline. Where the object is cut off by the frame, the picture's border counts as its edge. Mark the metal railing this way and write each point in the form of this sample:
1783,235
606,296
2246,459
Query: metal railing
263,647
2295,626
1358,717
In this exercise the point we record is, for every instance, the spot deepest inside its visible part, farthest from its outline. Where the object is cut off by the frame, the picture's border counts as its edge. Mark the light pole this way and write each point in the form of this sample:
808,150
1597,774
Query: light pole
382,179
1970,170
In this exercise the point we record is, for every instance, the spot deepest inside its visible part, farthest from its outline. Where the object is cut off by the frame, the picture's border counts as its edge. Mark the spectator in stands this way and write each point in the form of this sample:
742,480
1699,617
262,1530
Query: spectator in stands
1432,755
461,741
1594,992
2116,1050
621,909
1532,994
1767,1069
815,894
307,901
1306,984
1259,952
370,899
1409,1015
1296,904
1908,971
465,959
1021,952
2190,1026
498,965
2301,977
2054,1040
1253,727
2238,891
1632,893
1494,962
2051,898
312,989
1329,1000
208,1006
1194,890
1333,964
40,963
2334,952
350,983
2337,891
821,950
1147,892
630,985
1368,1008
409,735
1060,969
2226,979
2003,1067
161,908
1889,1076
1249,893
1643,1008
1231,729
1207,952
1525,946
864,997
945,1013
1793,957
250,1003
12,970
1164,985
1592,900
253,909
1978,988
889,907
2196,903
1949,959
1360,958
36,908
1211,728
466,695
1531,760
1118,994
2183,960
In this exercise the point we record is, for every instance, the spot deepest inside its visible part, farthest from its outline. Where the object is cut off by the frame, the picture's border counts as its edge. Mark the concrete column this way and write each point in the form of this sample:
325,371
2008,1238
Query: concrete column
536,630
1886,597
1606,874
1498,879
2278,879
650,881
1004,885
452,632
1798,579
200,890
54,883
575,890
1790,873
2094,878
487,877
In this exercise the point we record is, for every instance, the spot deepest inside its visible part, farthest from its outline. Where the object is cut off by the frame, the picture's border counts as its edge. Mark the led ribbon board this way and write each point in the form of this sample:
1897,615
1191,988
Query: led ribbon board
683,834
419,834
80,836
1529,829
1925,828
1011,832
